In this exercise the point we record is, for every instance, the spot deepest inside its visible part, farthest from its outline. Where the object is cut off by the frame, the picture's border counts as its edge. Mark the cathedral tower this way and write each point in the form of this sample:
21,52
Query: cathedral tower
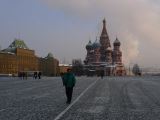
117,54
104,41
96,47
102,58
89,57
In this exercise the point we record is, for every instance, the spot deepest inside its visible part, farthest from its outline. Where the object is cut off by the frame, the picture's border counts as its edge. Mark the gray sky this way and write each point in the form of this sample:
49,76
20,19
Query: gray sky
64,27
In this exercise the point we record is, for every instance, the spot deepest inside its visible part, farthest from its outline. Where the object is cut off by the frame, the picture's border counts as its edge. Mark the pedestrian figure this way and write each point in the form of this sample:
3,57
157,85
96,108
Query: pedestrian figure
26,75
23,75
20,75
35,75
62,75
102,74
39,75
69,82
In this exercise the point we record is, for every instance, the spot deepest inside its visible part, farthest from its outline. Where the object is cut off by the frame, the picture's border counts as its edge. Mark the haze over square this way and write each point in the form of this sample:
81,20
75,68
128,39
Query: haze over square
64,27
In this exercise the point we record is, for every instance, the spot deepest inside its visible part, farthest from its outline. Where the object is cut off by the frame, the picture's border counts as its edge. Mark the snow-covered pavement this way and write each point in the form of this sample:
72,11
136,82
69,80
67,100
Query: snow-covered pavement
111,98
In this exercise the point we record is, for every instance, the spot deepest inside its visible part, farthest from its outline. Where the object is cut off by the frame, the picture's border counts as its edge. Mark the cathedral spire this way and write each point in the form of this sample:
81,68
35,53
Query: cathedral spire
104,41
104,30
104,22
104,38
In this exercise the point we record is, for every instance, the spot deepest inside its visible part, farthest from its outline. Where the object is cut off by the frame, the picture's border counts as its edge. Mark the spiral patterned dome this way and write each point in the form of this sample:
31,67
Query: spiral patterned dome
96,44
89,46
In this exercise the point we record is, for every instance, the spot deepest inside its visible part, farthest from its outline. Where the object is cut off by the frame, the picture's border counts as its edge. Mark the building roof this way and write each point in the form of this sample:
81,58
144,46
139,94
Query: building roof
11,50
17,43
10,53
65,65
50,55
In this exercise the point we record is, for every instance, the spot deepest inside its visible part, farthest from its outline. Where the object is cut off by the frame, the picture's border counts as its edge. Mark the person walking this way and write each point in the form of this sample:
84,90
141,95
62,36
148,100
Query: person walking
69,82
39,75
35,75
26,75
23,75
102,74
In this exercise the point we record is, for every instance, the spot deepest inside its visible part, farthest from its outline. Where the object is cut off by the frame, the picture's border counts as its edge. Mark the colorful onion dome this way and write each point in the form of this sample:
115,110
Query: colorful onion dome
89,46
117,42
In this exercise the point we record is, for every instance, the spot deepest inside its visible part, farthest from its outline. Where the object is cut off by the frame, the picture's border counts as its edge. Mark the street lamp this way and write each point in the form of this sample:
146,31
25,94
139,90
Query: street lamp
130,68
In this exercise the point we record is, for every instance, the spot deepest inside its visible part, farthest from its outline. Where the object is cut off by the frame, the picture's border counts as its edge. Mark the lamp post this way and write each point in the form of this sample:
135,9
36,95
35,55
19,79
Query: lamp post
130,68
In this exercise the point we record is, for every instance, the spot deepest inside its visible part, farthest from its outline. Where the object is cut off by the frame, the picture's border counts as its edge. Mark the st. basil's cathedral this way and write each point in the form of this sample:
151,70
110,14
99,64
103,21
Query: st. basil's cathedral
101,57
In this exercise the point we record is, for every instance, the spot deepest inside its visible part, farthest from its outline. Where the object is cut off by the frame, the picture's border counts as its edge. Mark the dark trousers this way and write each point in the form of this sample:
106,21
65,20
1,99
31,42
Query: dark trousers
69,91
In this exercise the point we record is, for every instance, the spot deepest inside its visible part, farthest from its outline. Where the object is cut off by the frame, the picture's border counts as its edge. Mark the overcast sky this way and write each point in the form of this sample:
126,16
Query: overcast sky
64,27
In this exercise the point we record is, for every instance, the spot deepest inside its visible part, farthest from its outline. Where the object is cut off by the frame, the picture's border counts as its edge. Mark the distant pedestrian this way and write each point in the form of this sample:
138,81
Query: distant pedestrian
26,75
35,75
23,75
62,75
102,74
39,75
69,82
20,75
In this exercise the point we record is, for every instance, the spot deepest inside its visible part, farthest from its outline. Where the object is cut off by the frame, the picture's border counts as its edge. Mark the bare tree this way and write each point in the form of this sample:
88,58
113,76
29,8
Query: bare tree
77,67
136,70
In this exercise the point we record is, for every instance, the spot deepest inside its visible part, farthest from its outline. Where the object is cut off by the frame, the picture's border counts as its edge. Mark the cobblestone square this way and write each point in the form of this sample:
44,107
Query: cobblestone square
110,98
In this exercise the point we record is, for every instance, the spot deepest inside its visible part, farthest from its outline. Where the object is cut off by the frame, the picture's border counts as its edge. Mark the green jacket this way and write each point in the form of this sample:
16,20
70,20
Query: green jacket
69,80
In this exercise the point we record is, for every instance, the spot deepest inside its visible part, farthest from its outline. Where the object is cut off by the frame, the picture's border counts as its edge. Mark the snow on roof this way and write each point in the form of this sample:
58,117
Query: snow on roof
67,65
